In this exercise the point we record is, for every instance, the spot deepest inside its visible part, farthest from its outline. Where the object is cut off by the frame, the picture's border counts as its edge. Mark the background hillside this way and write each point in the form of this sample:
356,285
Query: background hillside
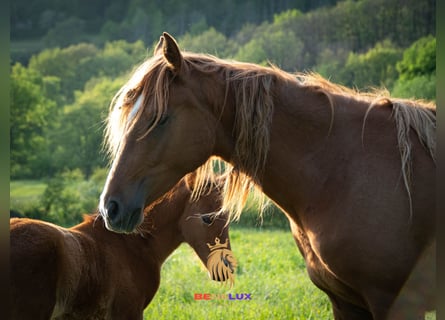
68,58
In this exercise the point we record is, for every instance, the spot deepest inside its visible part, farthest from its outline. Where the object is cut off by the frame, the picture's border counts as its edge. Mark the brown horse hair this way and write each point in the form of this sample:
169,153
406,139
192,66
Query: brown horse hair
252,87
419,115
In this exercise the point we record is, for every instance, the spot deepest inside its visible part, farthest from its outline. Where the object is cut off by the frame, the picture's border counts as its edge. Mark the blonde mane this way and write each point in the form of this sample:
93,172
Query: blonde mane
252,86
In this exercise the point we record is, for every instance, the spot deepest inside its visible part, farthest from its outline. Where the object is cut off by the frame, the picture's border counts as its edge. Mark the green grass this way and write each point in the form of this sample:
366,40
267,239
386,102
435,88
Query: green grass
24,193
270,268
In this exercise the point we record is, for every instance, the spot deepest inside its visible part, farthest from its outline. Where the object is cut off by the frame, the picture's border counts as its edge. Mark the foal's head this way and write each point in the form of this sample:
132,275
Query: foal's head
201,223
206,230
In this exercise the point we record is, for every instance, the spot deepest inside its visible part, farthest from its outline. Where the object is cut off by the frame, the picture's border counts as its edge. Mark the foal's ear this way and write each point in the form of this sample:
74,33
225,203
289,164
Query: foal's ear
190,181
168,46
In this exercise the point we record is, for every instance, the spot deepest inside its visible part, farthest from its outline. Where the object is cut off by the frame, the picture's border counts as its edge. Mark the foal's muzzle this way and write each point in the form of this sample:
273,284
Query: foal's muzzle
119,220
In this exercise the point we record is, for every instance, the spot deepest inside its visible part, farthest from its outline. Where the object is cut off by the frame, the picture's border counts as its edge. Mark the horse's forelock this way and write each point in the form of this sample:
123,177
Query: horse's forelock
149,80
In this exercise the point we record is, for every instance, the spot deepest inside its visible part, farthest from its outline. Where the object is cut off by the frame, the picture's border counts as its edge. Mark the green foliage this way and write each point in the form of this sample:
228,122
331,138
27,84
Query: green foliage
31,114
421,87
25,196
209,41
60,100
76,64
138,19
417,70
376,67
68,196
57,36
280,47
419,59
64,64
76,140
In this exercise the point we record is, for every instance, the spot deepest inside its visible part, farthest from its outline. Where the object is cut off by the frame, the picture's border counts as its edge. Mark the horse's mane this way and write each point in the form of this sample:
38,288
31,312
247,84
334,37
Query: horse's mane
416,114
252,86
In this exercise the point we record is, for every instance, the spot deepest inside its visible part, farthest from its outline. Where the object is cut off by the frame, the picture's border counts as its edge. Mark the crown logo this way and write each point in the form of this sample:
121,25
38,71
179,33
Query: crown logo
218,245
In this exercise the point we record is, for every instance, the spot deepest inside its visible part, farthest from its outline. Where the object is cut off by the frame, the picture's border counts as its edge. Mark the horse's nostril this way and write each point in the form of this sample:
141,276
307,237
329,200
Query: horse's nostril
112,209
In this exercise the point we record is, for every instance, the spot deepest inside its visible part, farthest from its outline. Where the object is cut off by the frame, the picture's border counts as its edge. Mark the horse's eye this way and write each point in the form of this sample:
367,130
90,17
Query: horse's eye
207,218
161,121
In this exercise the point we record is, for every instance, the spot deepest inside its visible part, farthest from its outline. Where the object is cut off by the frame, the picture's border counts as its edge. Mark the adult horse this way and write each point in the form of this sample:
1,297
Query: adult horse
88,272
354,172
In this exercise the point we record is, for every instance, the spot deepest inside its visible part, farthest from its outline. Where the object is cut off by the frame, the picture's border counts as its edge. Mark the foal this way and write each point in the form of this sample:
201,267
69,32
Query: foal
88,272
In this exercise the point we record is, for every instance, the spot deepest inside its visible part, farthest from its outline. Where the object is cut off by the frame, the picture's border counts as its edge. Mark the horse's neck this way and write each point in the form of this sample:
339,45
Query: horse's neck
166,235
159,236
301,138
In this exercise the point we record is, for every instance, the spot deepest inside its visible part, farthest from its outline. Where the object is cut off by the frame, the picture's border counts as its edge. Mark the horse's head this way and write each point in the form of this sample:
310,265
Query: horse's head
206,230
159,128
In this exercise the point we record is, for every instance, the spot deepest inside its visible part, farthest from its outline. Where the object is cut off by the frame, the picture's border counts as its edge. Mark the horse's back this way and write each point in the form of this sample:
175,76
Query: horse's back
33,268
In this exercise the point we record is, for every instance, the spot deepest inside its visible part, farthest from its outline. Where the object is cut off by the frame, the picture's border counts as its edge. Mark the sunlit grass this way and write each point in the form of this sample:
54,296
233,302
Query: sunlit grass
270,268
24,193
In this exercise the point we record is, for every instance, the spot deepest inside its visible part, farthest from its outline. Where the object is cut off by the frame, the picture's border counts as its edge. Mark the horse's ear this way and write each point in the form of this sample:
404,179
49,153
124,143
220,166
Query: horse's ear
190,180
159,46
171,51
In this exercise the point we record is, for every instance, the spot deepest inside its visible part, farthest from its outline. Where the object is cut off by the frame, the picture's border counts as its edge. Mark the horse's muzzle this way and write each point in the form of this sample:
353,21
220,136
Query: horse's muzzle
119,220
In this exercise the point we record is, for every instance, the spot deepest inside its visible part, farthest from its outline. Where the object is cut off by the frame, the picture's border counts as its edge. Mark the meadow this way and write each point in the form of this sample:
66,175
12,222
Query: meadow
270,269
25,193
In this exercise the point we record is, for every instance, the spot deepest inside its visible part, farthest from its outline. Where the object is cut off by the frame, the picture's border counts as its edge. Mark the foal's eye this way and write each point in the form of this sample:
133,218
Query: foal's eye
208,218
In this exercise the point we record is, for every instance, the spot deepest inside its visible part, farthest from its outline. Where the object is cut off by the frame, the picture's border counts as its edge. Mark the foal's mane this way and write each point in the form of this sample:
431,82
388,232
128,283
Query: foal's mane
251,85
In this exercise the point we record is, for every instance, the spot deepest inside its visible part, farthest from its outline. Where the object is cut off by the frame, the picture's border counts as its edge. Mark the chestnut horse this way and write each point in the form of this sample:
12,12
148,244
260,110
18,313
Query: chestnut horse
88,272
354,172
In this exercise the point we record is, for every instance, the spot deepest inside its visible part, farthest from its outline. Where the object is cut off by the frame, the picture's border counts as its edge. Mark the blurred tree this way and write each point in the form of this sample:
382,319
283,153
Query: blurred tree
420,87
210,41
64,64
66,32
419,59
77,140
376,67
418,70
32,114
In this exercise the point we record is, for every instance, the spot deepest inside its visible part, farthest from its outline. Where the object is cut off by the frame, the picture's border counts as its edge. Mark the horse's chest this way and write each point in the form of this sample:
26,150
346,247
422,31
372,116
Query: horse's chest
319,271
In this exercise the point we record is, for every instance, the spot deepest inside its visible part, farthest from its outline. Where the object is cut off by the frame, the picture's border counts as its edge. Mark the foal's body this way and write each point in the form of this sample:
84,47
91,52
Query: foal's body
355,173
88,272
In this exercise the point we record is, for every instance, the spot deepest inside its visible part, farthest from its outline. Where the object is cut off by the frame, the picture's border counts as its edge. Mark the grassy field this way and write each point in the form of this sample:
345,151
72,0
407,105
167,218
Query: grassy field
24,193
270,268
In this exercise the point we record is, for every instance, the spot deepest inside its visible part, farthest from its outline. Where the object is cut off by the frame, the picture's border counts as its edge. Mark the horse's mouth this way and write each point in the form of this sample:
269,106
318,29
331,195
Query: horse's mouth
124,223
